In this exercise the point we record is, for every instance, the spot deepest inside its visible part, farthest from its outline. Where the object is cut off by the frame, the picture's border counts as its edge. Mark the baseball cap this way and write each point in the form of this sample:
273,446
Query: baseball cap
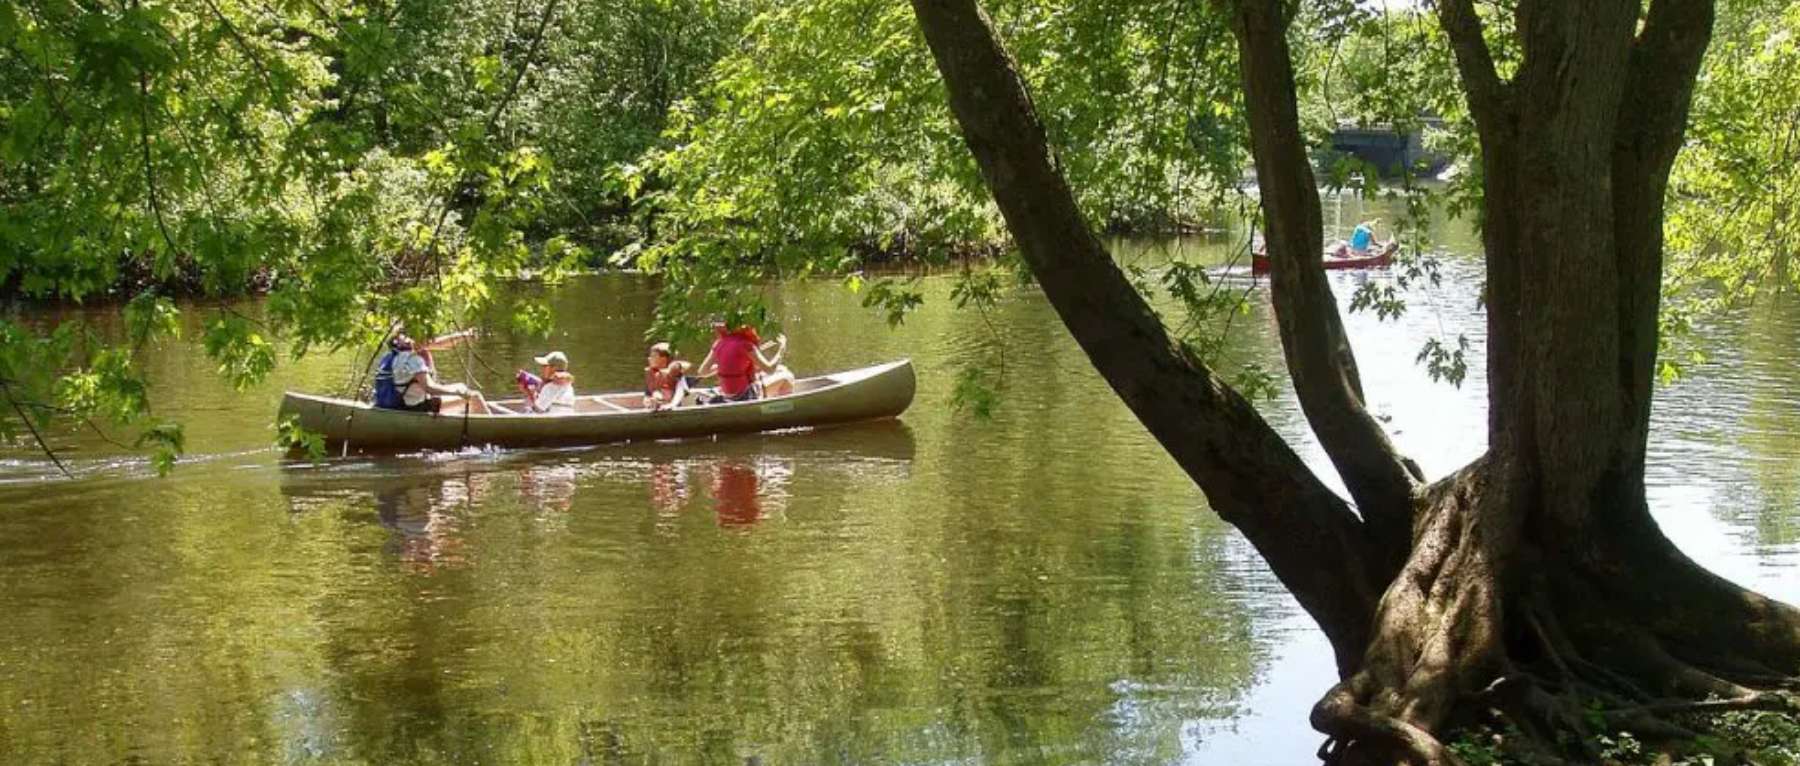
556,359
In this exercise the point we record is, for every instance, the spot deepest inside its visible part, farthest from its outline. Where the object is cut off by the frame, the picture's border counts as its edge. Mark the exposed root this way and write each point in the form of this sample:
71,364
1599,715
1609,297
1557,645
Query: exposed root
1348,722
1776,701
1486,625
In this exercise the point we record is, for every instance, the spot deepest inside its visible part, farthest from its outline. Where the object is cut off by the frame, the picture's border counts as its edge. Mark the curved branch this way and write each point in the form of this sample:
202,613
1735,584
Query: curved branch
1252,478
1488,96
1316,347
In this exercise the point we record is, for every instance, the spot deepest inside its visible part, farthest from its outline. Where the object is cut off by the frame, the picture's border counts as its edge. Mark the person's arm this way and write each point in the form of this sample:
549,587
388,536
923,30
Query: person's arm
424,380
769,363
442,342
708,368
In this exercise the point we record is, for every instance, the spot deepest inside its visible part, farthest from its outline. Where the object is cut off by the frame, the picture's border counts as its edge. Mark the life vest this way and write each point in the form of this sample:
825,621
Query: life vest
735,357
389,395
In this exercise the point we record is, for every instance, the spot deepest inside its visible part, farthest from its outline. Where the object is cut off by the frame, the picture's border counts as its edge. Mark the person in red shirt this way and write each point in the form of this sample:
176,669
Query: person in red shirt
743,371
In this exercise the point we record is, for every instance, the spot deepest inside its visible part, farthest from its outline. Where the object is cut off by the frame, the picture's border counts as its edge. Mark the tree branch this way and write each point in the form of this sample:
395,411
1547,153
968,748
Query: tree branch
149,169
1660,79
1488,96
1317,348
512,90
1252,478
29,426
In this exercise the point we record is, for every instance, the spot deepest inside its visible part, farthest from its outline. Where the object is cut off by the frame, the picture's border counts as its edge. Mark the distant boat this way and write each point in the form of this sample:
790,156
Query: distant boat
881,391
1337,258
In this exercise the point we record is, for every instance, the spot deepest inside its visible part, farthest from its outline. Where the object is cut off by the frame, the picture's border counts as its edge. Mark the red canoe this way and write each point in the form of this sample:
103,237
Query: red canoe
1336,258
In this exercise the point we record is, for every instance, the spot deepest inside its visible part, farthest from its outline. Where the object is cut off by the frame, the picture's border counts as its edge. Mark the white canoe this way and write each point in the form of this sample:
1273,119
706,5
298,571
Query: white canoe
882,391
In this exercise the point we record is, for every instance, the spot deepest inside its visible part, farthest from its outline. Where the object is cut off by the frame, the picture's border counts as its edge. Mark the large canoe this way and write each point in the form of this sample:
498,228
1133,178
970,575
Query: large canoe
1336,258
882,391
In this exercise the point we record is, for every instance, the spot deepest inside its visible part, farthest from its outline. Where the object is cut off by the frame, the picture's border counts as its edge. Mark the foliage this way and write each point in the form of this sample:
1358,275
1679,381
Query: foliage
360,162
1768,737
291,437
825,142
1763,737
367,162
1733,226
1478,747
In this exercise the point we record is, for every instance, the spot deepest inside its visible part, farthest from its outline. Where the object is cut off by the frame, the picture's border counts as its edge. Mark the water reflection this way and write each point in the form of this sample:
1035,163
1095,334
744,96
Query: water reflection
424,520
425,500
736,491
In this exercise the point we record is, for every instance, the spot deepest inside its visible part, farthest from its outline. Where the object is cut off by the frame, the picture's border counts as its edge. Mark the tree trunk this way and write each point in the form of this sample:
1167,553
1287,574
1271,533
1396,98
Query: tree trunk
1538,583
1533,581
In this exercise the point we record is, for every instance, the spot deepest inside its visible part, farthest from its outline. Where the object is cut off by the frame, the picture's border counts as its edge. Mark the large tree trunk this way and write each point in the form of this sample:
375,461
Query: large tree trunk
1537,582
1533,581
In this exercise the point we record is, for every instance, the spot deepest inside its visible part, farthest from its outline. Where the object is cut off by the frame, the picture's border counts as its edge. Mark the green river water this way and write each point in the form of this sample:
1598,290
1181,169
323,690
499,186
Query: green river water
1044,587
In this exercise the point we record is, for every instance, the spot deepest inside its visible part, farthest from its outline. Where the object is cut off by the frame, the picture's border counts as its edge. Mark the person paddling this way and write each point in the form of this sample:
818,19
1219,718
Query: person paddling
1363,238
737,360
406,379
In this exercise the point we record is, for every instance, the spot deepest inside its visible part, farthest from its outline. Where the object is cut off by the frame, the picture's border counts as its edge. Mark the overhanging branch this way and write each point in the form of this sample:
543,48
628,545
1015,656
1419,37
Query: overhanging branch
1474,61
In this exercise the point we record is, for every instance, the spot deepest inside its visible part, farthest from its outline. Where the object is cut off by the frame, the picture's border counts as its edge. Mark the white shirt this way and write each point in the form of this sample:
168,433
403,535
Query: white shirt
555,393
406,365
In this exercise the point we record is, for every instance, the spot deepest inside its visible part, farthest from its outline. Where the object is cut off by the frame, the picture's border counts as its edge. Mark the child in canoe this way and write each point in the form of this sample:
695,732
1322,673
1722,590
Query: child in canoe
665,378
744,372
554,392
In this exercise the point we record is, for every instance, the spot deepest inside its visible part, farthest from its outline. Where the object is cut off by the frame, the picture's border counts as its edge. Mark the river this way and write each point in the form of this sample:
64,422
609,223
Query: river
1041,587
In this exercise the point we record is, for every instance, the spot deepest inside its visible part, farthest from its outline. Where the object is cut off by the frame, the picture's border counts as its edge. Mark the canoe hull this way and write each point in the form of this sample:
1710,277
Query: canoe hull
883,391
1260,264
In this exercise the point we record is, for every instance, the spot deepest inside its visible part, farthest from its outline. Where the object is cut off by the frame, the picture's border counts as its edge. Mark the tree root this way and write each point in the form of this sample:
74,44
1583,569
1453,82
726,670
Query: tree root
1488,625
1348,723
1776,701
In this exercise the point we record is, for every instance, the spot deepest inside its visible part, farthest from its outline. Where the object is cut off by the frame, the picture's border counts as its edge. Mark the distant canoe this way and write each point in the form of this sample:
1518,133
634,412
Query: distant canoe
1334,259
882,391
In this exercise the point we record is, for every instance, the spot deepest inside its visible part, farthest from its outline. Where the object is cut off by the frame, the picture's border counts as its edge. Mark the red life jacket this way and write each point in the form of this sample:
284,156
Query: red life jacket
735,356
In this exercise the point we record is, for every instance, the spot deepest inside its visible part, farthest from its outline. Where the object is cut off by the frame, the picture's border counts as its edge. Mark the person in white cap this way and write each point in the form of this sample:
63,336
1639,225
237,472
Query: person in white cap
554,391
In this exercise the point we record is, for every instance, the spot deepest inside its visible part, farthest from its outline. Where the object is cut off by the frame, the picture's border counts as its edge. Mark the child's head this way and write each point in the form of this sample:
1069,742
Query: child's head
660,356
553,362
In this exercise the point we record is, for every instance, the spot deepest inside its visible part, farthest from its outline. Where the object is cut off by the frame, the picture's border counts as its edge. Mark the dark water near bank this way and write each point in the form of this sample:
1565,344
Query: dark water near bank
1046,587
